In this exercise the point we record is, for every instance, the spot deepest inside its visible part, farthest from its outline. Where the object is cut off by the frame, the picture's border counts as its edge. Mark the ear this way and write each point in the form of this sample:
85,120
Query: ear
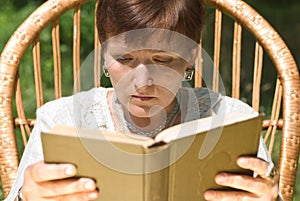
194,55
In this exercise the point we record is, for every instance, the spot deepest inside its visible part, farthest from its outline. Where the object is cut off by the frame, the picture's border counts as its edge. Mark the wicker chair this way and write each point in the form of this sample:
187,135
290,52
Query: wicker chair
285,112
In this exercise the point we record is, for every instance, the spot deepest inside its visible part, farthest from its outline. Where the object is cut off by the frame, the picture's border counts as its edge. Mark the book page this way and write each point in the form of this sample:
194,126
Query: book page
201,125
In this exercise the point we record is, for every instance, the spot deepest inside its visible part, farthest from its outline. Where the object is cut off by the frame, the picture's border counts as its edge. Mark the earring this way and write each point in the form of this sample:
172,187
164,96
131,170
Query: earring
188,75
105,70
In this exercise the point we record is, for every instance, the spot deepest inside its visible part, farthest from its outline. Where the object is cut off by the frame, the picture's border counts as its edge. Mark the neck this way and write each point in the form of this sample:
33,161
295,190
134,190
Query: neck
151,122
152,125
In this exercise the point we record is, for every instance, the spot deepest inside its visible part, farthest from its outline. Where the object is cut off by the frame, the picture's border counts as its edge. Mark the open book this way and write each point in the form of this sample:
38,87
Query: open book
180,163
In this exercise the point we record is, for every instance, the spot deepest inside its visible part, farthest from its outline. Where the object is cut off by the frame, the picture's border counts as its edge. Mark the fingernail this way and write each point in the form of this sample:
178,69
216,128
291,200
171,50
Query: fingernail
220,179
89,185
93,195
70,171
209,195
242,161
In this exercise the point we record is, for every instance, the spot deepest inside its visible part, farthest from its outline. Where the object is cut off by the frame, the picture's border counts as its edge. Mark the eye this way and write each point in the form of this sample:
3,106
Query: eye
123,59
163,59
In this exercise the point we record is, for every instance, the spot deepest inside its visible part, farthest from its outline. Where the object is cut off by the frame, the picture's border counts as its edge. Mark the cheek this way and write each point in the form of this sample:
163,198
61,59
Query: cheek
116,72
166,96
121,79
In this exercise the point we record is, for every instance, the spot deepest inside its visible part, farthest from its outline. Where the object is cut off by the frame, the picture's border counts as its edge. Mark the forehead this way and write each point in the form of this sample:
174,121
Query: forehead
143,53
158,40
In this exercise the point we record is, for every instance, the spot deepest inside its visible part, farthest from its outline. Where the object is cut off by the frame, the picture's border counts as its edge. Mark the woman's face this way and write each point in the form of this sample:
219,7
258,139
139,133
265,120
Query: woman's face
145,81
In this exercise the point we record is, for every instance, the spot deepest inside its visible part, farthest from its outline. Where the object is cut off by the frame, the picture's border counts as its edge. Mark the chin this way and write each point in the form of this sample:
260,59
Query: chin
142,111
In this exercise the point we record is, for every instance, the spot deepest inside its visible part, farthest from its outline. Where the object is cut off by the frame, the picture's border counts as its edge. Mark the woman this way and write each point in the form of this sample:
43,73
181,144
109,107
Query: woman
146,67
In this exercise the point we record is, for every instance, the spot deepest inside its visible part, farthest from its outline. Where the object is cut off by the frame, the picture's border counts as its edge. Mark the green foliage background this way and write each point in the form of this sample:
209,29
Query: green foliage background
283,15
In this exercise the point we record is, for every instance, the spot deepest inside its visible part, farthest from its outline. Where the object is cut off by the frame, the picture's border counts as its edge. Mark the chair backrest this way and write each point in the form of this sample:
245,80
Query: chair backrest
285,113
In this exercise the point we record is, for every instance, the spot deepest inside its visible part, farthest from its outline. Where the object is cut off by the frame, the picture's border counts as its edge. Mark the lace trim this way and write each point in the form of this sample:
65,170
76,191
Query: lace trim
100,110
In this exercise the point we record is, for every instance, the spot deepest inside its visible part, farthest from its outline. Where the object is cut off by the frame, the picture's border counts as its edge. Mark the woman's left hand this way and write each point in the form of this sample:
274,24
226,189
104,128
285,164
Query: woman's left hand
253,188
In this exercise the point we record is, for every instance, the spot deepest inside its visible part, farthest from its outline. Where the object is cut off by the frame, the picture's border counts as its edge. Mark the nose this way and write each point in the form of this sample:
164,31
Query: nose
142,76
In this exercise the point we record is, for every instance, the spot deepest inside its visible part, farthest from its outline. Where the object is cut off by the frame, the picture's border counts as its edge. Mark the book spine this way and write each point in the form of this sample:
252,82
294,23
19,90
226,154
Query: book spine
156,177
171,168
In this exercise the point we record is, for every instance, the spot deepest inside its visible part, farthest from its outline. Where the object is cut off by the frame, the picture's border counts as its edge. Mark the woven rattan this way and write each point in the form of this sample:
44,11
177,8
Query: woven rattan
286,106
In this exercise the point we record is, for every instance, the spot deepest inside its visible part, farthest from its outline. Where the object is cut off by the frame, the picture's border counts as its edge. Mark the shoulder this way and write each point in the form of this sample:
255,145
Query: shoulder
81,97
62,110
230,105
209,101
217,102
88,98
201,101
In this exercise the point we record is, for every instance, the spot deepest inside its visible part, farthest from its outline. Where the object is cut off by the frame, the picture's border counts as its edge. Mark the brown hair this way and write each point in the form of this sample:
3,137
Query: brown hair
118,16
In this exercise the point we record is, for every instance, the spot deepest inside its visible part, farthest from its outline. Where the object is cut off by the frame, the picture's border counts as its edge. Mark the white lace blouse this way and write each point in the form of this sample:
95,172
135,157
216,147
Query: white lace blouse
90,110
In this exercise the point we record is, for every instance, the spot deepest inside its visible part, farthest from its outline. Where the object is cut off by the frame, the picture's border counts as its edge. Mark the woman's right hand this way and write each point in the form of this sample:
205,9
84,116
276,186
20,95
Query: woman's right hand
44,182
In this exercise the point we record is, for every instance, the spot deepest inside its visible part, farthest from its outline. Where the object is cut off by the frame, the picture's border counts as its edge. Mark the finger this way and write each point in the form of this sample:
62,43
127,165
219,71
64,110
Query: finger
66,186
260,167
82,196
40,171
257,165
257,186
228,195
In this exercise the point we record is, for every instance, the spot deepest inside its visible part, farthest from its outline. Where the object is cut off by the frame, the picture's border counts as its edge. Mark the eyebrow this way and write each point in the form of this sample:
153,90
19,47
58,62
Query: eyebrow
127,51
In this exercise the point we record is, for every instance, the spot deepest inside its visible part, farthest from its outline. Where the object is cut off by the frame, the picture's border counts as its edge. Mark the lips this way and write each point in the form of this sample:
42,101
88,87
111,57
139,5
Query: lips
142,97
